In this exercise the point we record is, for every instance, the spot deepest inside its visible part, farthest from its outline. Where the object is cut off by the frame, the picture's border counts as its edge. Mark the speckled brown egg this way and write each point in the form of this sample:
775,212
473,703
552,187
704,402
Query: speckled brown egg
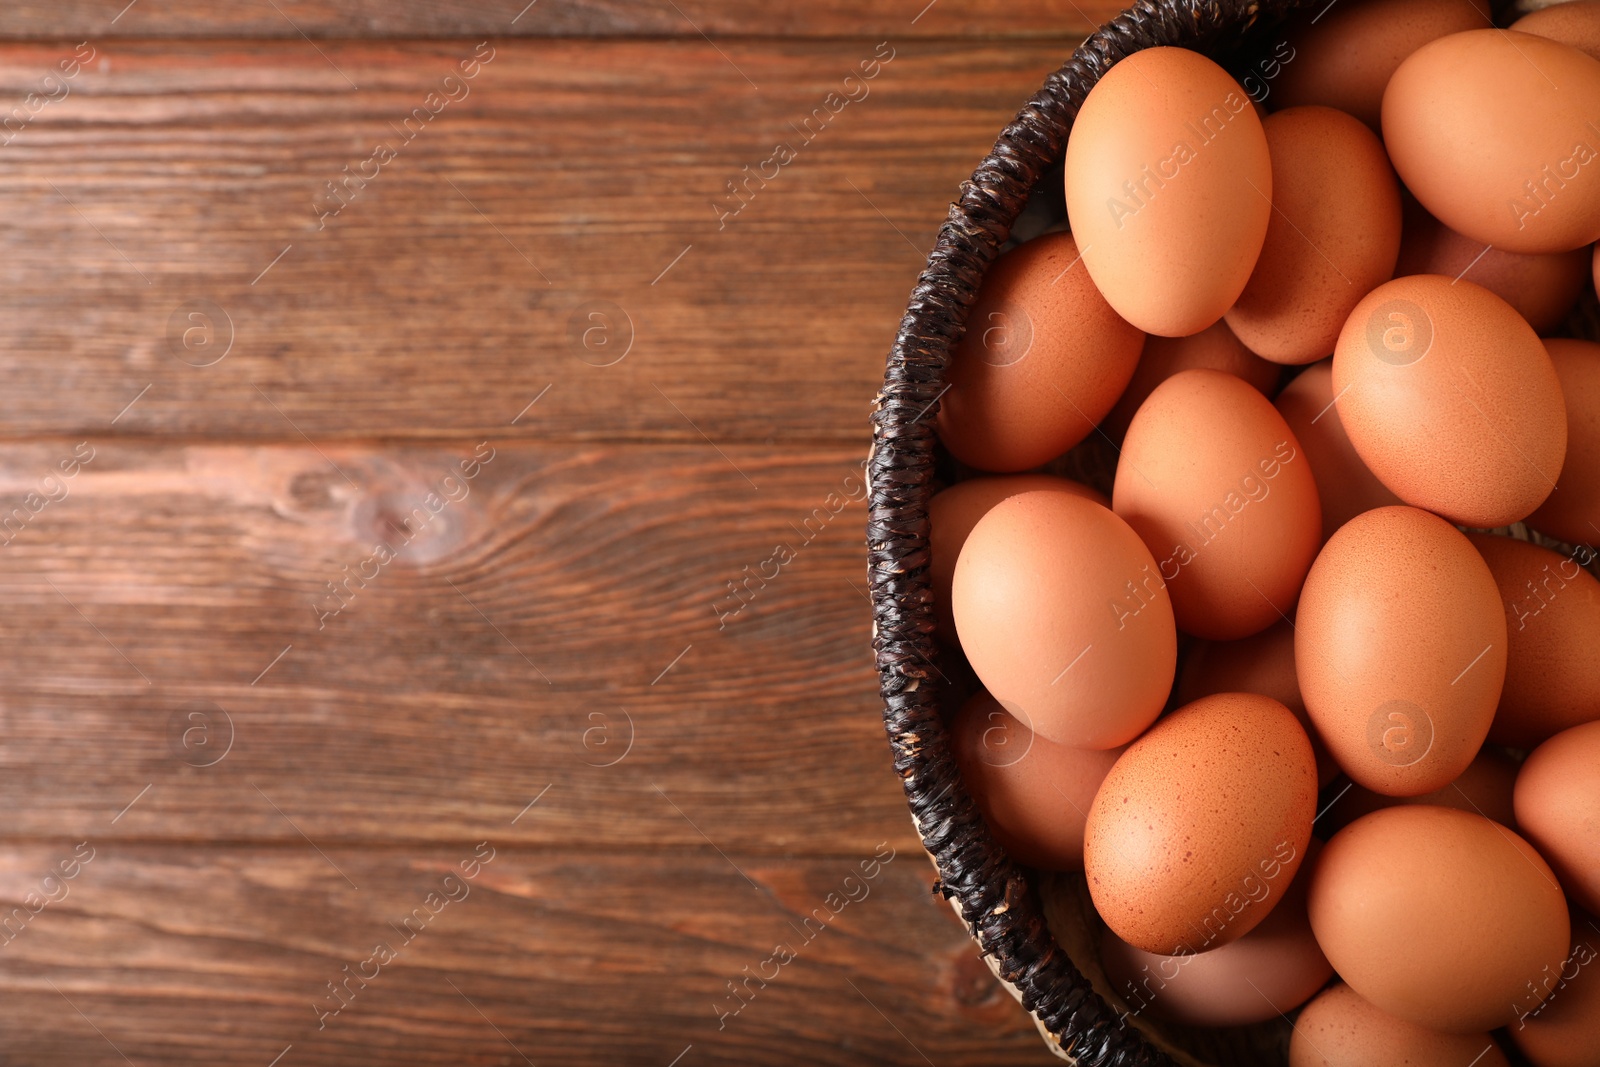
1042,360
1215,483
1334,234
1451,400
1572,510
1400,647
1199,828
1558,808
1484,788
1214,348
1573,22
1339,1029
1345,487
953,512
1438,917
1343,56
1552,608
1564,1031
1168,187
1034,793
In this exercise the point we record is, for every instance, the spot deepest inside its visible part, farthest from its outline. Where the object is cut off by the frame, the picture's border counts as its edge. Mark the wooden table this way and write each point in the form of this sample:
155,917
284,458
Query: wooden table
402,414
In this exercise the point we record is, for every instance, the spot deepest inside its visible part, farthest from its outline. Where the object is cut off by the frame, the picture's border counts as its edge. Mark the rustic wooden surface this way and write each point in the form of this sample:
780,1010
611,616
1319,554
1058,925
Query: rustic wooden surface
225,782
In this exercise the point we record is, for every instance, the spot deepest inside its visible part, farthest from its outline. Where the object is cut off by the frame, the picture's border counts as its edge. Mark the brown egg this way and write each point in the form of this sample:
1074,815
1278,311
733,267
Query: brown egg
1564,1031
1034,793
1199,828
1271,970
1215,484
1552,608
1043,359
1533,100
1574,22
1572,511
1484,788
953,512
1262,663
1451,400
1542,288
1558,807
1334,234
1345,487
1168,187
1339,1029
1065,620
1342,56
1215,348
1400,647
1438,917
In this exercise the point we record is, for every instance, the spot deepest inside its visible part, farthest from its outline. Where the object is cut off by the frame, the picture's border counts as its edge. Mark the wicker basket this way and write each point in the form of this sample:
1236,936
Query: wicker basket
1038,938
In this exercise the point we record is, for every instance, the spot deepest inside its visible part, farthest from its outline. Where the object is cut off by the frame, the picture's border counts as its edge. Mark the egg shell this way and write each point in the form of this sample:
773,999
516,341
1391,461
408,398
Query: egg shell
1558,807
1262,663
1215,348
1542,288
1168,187
1062,614
1484,788
1333,236
1564,1031
1572,22
1400,648
1572,510
1271,970
1345,487
1552,609
1042,360
1439,917
953,512
1215,483
1451,400
1339,1029
1034,793
1530,98
1343,56
1199,828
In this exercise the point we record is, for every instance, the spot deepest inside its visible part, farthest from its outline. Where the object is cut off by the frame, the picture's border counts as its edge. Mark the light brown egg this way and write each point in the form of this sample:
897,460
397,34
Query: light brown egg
1334,234
1572,510
1345,487
1215,348
1530,98
1343,56
1484,788
1262,663
1168,187
1217,486
1339,1029
1062,614
1199,828
953,512
1573,22
1558,807
1042,360
1438,917
1034,793
1552,608
1400,647
1451,400
1564,1031
1273,969
1542,288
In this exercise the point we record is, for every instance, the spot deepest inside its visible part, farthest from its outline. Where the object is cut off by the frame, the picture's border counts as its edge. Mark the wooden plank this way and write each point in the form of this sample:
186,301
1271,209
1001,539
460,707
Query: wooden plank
104,19
563,214
544,956
518,631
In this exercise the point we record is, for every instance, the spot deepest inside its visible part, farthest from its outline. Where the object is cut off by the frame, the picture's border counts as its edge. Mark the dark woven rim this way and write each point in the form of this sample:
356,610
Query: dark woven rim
992,893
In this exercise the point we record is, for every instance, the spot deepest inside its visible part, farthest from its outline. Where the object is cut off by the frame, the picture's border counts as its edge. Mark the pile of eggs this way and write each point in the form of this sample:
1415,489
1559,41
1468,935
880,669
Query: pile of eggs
1313,697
